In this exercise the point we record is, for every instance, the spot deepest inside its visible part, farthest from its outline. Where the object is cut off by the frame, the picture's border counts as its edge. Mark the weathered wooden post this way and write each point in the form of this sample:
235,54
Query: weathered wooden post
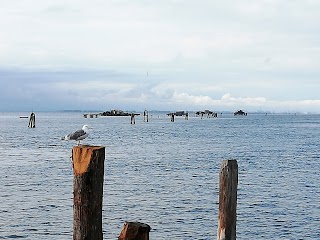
133,121
32,120
228,200
134,231
172,117
88,169
146,116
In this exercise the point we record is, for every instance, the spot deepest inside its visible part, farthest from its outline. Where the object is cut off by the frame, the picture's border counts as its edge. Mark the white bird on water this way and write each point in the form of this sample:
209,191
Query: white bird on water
78,135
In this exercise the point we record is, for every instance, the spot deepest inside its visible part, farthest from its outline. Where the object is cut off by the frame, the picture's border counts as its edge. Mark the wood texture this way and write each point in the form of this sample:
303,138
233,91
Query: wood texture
135,231
88,163
228,200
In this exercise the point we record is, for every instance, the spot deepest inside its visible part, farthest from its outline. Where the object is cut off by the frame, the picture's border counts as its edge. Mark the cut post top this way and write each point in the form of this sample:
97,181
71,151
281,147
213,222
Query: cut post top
88,146
82,155
135,231
229,163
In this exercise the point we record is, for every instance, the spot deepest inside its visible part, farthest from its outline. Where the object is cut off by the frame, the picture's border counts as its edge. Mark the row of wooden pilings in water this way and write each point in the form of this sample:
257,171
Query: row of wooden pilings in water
146,116
88,168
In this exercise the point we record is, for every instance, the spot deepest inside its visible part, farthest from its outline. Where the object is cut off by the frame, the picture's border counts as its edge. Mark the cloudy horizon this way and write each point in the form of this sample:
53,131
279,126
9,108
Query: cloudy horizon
168,55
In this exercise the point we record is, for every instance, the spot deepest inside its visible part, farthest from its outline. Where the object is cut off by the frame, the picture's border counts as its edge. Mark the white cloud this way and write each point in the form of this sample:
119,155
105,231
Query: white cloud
226,101
192,100
229,102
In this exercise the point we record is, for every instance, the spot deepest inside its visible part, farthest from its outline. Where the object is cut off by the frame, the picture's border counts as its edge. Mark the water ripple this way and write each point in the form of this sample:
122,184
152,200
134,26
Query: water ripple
166,175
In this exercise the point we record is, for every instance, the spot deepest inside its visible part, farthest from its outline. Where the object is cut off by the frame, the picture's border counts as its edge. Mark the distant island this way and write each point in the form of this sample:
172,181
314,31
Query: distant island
117,113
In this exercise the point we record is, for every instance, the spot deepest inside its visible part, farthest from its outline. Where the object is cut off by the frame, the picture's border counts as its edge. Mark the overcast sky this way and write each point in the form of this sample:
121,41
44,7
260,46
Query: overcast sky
259,55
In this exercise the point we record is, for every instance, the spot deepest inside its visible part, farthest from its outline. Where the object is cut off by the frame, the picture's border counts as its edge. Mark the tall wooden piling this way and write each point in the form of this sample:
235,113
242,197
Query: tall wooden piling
32,120
88,168
172,117
134,231
133,121
146,116
228,200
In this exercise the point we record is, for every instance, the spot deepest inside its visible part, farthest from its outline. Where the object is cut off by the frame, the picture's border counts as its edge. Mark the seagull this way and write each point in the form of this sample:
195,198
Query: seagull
78,135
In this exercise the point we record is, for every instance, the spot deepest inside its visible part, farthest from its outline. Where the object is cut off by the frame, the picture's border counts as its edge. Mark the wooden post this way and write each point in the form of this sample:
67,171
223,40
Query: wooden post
228,200
88,169
32,120
134,231
172,117
133,121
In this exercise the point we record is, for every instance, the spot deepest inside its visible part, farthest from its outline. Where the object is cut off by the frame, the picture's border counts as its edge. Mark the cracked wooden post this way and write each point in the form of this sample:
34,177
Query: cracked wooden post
134,231
228,200
88,169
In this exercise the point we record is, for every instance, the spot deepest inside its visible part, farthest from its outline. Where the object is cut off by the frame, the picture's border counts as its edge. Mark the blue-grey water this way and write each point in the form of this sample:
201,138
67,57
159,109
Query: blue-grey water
164,174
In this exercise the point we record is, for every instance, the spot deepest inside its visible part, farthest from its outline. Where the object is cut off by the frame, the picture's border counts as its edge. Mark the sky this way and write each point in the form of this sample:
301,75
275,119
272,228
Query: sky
160,55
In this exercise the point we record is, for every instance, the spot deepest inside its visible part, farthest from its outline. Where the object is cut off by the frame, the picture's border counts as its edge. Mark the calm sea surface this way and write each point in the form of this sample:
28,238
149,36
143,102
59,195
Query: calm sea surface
164,174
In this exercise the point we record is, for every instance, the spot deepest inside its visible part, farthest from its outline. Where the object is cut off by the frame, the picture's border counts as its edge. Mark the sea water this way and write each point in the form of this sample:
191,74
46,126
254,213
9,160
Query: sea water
164,174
